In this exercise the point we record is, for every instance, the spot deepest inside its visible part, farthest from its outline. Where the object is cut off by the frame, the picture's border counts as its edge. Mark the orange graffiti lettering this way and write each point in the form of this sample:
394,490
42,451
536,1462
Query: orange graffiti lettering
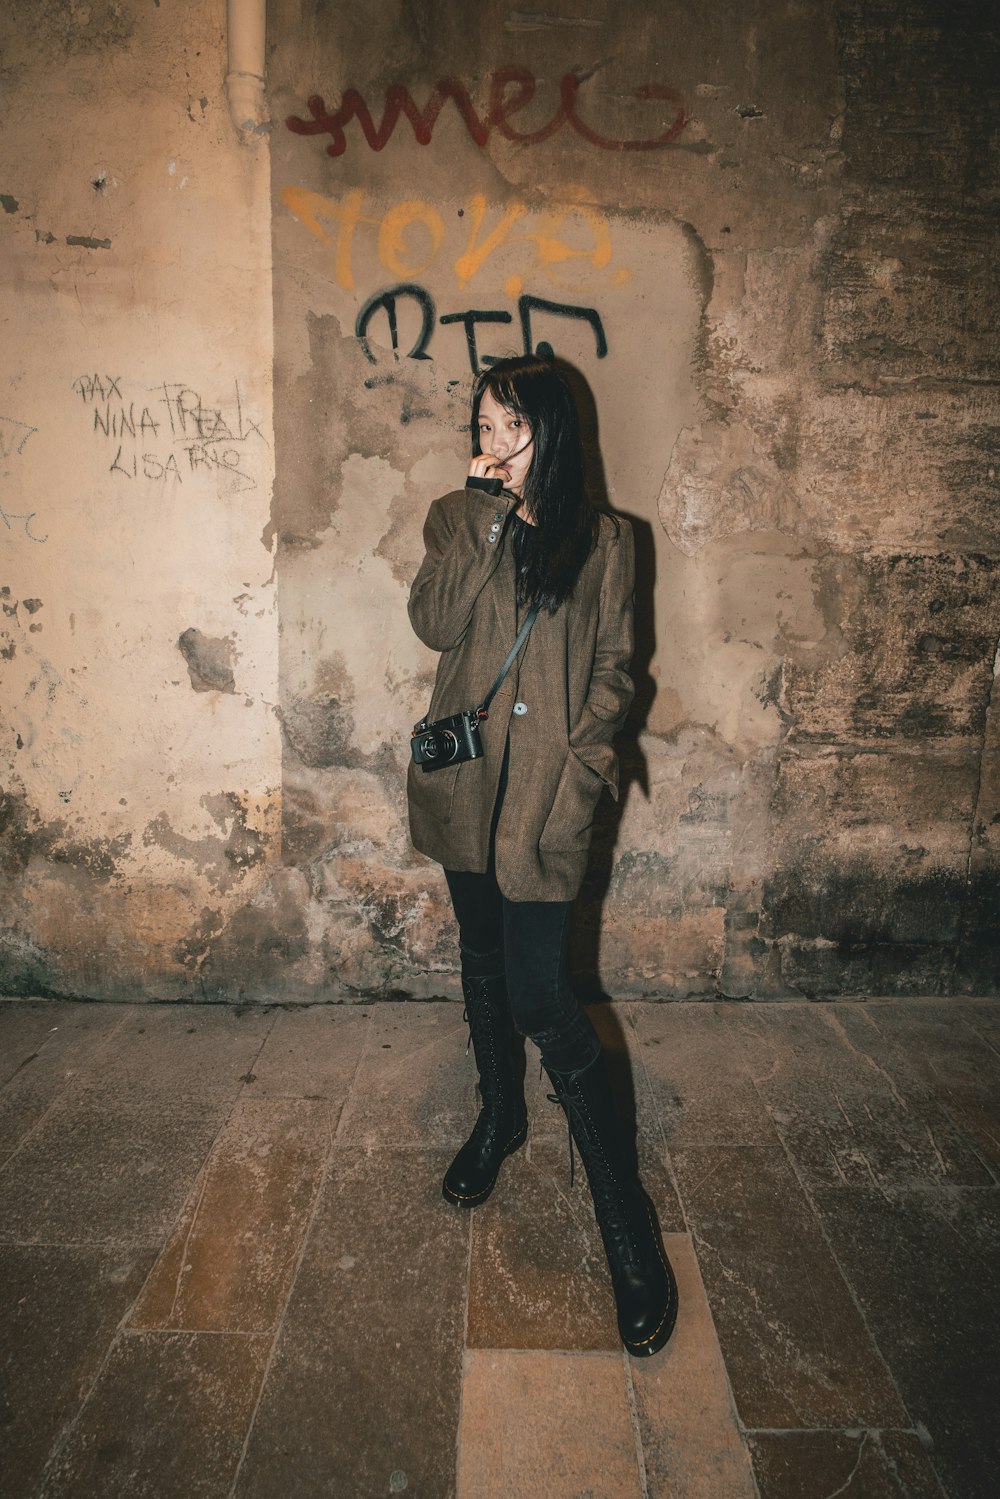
412,235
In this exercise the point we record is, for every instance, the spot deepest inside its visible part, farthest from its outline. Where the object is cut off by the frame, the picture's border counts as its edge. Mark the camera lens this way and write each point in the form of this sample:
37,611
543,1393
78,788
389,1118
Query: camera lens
429,746
450,744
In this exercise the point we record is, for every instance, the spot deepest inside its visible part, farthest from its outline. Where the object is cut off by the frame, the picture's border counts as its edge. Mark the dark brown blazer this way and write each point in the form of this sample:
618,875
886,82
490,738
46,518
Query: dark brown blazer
561,705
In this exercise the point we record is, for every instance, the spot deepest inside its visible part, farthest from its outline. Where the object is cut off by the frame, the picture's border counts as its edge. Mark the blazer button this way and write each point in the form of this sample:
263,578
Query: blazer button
520,709
494,527
491,538
499,515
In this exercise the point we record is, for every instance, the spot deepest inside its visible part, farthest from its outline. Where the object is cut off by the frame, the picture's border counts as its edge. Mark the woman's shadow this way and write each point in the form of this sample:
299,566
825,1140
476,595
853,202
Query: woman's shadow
633,771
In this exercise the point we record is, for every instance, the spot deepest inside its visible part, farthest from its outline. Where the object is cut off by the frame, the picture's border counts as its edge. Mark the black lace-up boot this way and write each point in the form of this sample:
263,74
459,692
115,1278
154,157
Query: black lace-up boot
643,1282
502,1126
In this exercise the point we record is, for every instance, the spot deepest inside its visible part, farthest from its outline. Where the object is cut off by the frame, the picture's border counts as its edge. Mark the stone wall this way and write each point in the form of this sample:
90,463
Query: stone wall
765,240
138,657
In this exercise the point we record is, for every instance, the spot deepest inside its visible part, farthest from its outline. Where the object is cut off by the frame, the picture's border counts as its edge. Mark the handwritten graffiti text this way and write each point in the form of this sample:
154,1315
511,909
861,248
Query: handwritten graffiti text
207,437
386,302
511,90
14,436
567,243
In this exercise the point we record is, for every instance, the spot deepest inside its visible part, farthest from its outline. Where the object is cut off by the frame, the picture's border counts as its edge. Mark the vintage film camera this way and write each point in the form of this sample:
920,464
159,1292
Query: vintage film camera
447,742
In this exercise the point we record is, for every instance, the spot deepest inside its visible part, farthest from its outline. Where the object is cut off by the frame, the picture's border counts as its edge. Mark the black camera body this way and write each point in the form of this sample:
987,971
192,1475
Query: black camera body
447,742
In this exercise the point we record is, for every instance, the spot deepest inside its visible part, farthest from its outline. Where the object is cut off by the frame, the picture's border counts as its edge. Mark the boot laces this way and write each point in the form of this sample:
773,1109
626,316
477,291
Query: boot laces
611,1212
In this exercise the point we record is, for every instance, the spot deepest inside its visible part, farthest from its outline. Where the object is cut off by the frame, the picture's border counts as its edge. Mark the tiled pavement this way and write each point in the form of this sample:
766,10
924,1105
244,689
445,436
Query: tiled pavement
226,1267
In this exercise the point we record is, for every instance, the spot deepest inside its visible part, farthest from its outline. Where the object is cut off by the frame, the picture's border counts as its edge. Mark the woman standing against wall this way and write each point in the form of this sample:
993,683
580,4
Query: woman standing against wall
512,828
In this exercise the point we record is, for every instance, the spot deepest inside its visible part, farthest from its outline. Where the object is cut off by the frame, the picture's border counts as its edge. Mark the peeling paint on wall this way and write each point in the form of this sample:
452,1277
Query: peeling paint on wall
209,662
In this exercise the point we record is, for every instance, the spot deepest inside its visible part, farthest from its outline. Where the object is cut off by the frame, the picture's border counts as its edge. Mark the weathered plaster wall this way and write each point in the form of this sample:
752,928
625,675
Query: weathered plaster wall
141,758
765,237
789,263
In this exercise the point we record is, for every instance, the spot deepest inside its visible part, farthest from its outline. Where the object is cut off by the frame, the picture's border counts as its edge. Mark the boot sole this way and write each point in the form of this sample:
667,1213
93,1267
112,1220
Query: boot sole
475,1198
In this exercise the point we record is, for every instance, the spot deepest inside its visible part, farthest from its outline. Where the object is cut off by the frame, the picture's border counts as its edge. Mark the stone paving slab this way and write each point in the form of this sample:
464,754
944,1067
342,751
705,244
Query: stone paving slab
196,1055
957,1064
33,1027
796,1348
850,1464
96,1172
166,1419
312,1052
850,1112
926,1270
44,1049
691,1442
538,1277
366,1376
229,1263
414,1084
546,1424
59,1309
699,1083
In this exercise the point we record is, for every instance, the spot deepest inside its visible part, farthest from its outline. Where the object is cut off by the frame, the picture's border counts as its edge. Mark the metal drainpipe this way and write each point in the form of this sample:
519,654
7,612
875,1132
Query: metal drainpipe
246,21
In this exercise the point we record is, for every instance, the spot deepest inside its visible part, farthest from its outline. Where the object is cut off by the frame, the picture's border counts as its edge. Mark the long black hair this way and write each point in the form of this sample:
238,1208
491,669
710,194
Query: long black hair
558,545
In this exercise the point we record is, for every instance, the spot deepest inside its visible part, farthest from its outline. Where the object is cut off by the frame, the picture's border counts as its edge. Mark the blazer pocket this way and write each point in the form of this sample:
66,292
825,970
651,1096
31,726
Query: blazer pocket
567,827
603,761
431,793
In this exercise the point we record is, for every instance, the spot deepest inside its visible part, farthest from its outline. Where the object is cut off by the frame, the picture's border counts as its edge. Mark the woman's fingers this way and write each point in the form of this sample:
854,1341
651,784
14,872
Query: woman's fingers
488,466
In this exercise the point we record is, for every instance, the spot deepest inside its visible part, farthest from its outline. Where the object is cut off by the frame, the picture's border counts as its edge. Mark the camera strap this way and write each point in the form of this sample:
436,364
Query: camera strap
483,710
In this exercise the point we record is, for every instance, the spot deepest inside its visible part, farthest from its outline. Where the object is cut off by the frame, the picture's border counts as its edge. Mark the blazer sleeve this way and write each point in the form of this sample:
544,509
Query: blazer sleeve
462,537
611,688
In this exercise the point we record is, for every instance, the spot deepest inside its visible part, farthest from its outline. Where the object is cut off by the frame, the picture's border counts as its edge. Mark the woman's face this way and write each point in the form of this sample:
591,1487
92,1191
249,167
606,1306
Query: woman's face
508,438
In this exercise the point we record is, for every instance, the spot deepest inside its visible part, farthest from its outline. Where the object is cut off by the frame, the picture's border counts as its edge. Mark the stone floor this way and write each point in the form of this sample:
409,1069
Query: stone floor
226,1267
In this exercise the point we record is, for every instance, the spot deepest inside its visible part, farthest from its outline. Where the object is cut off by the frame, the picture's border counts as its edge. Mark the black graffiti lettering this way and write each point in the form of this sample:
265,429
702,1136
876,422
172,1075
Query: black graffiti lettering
244,424
116,467
527,304
388,299
187,412
470,319
201,455
89,386
11,442
152,468
115,424
8,515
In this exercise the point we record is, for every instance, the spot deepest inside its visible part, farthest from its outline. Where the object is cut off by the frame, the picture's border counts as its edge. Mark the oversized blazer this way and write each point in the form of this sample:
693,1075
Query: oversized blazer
561,704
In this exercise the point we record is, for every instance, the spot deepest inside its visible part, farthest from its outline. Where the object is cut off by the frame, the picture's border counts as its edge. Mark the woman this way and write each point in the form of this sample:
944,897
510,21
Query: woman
512,829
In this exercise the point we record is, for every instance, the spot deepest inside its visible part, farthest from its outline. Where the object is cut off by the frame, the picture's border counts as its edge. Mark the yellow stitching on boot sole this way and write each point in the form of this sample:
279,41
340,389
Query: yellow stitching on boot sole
509,1149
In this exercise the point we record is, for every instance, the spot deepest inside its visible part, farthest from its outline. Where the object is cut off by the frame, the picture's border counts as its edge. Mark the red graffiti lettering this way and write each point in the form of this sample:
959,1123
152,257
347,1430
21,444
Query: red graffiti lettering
501,106
570,87
511,90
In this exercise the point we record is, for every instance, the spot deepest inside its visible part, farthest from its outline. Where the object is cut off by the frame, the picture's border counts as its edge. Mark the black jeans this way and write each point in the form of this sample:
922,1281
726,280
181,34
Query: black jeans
529,941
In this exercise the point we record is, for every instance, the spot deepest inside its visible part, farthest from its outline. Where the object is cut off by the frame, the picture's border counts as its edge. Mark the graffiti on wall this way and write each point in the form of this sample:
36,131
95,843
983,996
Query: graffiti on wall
568,244
172,434
470,319
512,89
14,436
552,262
